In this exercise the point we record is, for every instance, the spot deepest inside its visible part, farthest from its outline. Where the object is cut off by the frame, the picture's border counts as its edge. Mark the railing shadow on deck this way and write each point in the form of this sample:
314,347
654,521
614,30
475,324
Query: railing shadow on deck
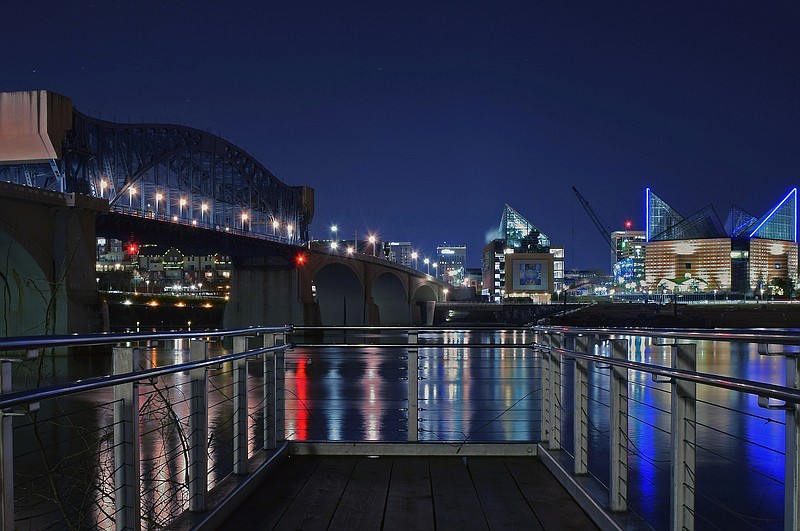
202,433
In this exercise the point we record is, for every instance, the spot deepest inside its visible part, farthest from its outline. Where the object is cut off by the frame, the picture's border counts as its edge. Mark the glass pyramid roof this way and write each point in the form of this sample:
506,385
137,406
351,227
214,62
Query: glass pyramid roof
518,232
780,223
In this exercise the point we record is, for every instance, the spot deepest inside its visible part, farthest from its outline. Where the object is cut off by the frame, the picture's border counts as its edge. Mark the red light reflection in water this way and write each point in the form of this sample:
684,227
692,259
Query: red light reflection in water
301,412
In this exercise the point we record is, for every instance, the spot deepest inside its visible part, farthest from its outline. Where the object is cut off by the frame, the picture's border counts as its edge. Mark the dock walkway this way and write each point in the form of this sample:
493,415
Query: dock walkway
402,493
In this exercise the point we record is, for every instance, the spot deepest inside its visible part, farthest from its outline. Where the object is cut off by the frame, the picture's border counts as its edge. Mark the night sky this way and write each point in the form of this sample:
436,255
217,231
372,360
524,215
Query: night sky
419,120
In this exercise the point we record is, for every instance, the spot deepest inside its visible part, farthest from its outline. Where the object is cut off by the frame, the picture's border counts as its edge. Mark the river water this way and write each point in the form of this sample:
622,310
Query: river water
465,395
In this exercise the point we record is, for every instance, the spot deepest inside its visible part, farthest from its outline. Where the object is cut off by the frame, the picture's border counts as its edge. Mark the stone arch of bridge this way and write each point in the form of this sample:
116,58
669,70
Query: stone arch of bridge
339,293
390,297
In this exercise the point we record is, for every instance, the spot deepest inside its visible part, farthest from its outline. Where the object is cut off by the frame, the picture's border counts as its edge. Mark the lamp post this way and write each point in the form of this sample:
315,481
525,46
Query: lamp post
131,193
372,240
182,203
427,262
335,231
445,290
435,270
414,257
103,186
159,197
203,208
275,226
244,220
289,230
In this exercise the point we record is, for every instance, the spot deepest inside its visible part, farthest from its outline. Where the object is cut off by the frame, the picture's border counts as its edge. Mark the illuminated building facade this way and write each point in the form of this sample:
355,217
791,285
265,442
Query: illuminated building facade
450,260
628,262
400,252
520,262
747,254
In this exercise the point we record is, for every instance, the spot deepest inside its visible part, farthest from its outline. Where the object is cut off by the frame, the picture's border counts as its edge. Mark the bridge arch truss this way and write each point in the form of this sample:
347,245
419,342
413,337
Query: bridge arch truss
175,174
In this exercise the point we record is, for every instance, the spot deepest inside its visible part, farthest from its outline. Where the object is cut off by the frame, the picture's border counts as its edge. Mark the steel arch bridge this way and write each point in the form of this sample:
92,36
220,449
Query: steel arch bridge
171,173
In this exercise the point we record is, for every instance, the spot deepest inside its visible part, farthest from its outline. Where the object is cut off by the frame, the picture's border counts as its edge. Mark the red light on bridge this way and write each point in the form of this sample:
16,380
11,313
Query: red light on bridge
133,248
628,224
300,259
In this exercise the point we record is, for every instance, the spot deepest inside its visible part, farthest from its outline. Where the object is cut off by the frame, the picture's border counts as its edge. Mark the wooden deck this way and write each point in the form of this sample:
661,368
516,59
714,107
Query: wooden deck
402,493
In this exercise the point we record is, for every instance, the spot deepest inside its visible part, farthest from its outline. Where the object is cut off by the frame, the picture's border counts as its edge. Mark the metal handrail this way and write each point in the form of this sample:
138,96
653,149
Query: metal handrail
749,335
56,391
733,384
34,342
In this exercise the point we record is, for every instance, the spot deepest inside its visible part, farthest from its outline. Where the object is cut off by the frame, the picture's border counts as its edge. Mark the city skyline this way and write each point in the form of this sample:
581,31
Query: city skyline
420,122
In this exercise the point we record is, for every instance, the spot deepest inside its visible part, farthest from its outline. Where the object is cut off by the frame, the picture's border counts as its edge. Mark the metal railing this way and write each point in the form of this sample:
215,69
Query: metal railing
608,350
78,461
568,395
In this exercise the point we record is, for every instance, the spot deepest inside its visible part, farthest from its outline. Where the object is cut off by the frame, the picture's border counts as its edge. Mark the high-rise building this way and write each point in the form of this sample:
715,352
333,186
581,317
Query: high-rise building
450,260
747,254
520,262
400,252
628,266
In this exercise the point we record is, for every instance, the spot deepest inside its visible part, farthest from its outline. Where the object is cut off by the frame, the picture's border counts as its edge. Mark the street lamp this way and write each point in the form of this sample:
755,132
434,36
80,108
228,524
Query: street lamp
445,290
372,240
131,193
275,226
414,257
427,262
289,230
335,231
183,204
103,186
350,250
435,265
244,220
203,209
159,197
334,246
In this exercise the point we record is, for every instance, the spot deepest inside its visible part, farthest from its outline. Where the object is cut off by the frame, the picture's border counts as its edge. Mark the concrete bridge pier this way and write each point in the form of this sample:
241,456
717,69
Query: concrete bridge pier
47,262
265,290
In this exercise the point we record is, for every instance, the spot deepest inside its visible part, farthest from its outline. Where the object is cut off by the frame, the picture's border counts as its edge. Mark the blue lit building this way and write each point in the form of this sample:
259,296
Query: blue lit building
745,254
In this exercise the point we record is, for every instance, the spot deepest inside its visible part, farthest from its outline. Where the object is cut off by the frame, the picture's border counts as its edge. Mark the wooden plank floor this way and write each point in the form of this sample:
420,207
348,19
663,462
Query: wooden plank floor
401,493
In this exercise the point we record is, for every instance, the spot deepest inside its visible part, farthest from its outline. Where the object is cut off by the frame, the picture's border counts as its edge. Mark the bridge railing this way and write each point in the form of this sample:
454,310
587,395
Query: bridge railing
574,397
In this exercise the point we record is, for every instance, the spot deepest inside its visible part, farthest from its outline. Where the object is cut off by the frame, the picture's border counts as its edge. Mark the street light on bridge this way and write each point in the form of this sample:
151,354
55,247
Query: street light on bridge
335,231
131,193
289,230
244,220
203,209
445,290
427,262
372,240
182,203
414,257
103,186
159,197
350,250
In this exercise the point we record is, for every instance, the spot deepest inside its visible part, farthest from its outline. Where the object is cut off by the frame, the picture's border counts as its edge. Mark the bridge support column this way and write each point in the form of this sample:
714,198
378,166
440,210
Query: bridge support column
264,291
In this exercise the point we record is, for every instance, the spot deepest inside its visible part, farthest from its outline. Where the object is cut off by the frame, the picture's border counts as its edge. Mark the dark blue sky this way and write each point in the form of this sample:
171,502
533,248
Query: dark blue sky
419,120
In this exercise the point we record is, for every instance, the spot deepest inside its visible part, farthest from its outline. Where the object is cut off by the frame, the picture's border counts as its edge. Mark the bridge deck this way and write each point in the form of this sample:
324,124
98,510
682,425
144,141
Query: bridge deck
313,492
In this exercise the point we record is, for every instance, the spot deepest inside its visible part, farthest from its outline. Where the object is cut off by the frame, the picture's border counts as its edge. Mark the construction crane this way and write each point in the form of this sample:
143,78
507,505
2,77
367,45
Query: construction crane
596,220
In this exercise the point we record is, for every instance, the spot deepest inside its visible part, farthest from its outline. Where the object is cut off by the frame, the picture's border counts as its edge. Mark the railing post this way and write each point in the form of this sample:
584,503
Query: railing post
413,386
240,411
581,406
269,393
683,440
127,489
791,518
6,454
198,428
618,443
280,388
547,380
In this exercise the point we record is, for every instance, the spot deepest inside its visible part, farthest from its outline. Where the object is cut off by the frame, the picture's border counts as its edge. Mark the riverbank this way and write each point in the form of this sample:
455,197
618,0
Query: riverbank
719,315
